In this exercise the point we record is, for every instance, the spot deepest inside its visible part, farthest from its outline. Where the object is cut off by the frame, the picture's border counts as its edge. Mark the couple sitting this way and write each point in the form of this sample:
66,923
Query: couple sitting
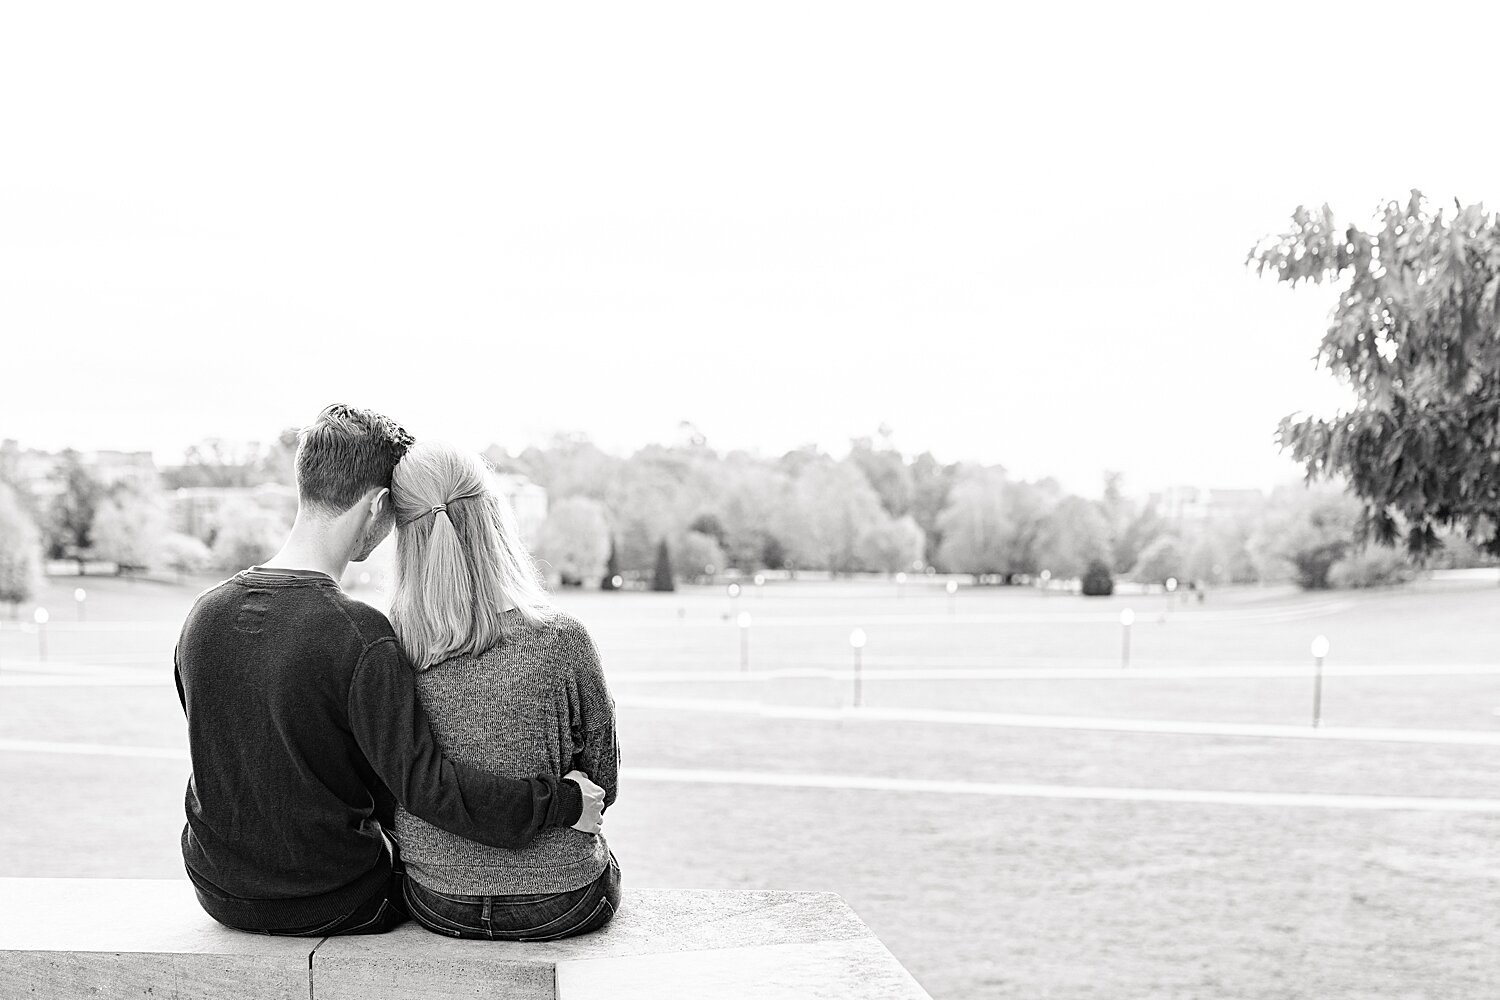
348,769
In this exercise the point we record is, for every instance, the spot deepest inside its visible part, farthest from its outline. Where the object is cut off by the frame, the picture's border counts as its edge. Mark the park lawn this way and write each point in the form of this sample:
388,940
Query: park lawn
978,895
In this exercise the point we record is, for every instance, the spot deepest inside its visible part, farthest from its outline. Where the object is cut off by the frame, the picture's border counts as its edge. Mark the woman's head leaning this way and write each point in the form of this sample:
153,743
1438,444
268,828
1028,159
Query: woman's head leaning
460,560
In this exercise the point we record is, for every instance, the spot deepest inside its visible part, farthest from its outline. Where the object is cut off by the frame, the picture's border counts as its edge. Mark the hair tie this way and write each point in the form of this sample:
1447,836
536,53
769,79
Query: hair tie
440,507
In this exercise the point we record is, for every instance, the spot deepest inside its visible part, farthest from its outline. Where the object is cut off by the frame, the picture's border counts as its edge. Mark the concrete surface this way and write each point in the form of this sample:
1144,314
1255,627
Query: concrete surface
65,938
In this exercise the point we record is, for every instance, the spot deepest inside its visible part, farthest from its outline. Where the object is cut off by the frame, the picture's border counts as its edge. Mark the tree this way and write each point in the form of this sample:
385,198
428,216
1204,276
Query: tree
185,554
1416,335
975,525
1139,529
662,579
1160,562
129,529
698,555
710,525
931,482
893,545
1304,533
72,520
574,540
831,506
887,473
245,535
611,568
1074,534
20,551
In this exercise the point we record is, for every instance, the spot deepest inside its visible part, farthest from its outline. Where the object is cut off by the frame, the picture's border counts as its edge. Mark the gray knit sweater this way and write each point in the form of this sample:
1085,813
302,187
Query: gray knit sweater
534,703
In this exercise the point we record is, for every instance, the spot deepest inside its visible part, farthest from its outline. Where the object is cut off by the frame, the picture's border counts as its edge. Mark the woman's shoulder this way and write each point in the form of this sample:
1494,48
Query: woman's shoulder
559,637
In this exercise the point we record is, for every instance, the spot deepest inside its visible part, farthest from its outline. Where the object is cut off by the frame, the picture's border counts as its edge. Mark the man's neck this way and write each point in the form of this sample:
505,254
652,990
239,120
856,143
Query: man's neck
312,546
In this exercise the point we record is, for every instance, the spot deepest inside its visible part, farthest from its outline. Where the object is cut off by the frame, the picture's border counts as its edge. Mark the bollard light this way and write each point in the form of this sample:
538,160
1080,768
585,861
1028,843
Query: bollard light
79,596
364,579
1171,584
857,640
734,590
41,617
952,586
1127,619
617,581
744,623
1319,650
760,579
900,577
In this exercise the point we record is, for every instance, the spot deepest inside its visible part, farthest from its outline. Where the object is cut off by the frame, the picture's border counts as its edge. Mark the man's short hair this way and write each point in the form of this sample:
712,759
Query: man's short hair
344,454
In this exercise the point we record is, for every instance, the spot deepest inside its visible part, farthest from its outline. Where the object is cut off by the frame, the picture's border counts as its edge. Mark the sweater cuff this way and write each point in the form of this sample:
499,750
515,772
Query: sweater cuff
569,803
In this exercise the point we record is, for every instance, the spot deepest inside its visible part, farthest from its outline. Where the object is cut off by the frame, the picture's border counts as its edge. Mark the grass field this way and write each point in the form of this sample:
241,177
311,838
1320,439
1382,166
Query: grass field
990,811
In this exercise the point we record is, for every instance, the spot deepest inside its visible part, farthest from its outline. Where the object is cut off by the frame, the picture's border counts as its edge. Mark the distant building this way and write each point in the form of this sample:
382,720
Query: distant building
197,510
527,499
1191,504
40,473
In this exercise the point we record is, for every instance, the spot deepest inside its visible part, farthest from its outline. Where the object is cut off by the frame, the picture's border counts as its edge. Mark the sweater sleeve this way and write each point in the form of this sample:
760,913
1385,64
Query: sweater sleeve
393,731
594,715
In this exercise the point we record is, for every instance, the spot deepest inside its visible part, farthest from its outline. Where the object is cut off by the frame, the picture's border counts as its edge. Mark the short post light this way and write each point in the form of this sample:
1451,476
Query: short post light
900,583
734,596
1171,590
1127,619
40,616
617,581
952,589
760,583
857,643
1319,650
79,597
744,623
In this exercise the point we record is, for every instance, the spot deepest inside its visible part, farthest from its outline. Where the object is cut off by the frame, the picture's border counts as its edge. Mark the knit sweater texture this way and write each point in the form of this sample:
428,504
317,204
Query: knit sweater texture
535,703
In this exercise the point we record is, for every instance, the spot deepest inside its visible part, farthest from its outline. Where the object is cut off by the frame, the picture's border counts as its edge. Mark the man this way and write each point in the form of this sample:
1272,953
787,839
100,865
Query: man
303,720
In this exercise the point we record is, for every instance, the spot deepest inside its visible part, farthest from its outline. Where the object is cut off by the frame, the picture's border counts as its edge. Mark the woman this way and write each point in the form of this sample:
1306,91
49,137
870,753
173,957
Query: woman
511,685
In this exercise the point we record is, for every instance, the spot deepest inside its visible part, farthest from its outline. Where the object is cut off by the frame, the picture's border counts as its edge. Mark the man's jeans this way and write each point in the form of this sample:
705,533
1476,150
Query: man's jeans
544,916
376,915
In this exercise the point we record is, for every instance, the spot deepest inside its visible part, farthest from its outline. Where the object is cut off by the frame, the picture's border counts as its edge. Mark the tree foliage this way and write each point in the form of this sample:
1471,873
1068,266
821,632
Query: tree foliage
71,527
891,546
1416,335
662,578
976,524
129,528
574,539
20,550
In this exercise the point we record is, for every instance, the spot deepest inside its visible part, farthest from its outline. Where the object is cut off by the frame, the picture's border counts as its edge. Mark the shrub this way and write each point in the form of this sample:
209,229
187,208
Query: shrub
1097,580
1374,566
662,579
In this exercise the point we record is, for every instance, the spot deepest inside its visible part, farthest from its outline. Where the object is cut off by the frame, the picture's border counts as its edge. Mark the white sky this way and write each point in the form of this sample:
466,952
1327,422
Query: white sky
1015,237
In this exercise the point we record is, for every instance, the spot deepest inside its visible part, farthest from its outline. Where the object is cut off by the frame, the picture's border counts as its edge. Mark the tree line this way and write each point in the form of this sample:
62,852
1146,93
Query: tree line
686,512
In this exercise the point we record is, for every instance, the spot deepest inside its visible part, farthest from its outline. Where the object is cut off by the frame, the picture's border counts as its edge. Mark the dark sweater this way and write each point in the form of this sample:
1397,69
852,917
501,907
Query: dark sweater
302,712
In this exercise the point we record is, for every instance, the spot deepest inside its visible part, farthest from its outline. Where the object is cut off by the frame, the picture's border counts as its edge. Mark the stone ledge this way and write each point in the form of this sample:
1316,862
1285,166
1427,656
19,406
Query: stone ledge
684,942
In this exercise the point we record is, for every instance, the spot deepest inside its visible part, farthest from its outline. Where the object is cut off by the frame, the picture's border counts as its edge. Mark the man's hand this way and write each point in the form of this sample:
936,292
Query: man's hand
592,817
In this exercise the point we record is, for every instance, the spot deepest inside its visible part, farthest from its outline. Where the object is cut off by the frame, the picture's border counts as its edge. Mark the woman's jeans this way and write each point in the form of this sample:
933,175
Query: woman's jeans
543,916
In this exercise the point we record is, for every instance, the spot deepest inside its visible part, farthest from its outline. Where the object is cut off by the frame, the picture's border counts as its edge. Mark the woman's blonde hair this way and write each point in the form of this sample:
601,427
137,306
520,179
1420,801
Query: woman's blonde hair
459,557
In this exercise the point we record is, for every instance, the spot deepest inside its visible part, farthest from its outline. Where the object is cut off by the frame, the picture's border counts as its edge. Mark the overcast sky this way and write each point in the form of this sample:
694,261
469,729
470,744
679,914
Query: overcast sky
1014,237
